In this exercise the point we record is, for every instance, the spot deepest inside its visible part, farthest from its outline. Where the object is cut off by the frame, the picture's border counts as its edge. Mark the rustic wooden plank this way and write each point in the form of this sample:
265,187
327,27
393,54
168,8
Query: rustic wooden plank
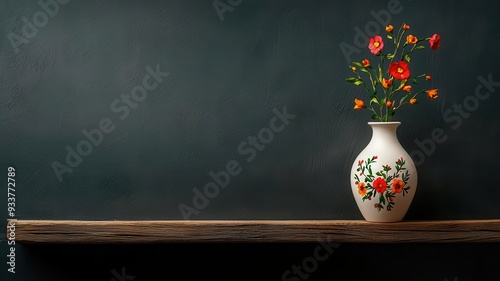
256,231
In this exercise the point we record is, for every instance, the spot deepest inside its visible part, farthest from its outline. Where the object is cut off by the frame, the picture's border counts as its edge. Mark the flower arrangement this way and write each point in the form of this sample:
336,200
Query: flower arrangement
395,78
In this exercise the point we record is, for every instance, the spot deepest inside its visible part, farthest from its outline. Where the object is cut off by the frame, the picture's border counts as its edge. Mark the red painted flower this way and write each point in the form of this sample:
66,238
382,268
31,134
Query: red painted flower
399,70
376,44
380,185
435,41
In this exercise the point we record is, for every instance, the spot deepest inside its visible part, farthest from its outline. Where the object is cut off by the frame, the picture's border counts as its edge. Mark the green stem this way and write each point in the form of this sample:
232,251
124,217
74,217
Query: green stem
363,82
401,31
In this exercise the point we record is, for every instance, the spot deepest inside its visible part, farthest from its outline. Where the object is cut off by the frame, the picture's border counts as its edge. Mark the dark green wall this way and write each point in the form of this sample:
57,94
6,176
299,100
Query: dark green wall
226,75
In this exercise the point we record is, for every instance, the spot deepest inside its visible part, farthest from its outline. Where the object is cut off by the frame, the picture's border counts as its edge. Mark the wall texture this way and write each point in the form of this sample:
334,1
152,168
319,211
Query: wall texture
220,72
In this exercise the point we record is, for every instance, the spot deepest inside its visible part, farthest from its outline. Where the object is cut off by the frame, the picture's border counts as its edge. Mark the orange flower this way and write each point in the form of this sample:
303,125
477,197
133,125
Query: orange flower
389,104
428,77
432,94
406,27
413,101
435,41
376,44
359,104
366,63
386,83
407,88
397,186
353,68
389,28
410,39
362,188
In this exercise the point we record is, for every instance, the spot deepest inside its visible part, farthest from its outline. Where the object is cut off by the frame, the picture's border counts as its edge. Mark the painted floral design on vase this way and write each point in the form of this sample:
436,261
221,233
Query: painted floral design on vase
383,176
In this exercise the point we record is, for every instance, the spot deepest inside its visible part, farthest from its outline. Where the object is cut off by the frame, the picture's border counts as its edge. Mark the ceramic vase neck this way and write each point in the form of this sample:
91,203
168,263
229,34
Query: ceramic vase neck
385,131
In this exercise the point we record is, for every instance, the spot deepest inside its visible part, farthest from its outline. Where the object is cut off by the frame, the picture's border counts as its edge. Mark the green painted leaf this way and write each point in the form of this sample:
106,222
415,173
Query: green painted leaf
357,64
357,83
419,47
407,58
389,36
415,81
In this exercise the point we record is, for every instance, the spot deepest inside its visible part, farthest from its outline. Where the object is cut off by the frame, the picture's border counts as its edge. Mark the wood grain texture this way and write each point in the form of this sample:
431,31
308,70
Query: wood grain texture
255,231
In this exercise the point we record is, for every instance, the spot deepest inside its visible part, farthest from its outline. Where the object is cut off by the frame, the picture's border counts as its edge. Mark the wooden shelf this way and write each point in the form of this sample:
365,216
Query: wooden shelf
255,231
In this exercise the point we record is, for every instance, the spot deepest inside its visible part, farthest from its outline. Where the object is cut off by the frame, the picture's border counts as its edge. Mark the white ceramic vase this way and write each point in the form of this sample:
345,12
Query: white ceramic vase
383,176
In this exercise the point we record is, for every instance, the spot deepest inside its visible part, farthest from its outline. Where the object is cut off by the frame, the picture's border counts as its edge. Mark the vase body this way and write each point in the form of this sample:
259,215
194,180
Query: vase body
383,176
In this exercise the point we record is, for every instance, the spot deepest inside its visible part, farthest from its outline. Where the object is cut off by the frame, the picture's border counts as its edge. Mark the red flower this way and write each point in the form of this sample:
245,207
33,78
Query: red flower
435,41
366,63
380,185
376,44
399,70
